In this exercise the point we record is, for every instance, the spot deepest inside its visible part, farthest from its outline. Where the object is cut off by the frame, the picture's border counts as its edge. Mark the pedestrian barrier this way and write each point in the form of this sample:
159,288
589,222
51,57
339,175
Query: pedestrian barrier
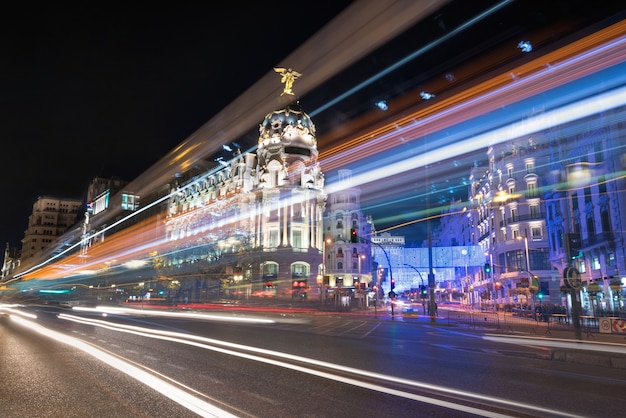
474,318
528,323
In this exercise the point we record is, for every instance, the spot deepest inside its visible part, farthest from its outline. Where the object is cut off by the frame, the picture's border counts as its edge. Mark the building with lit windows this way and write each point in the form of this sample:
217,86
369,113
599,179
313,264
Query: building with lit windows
585,208
347,238
540,197
50,219
255,224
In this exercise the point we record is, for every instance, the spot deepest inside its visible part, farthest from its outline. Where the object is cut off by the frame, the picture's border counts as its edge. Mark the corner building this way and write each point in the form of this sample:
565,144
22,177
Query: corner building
256,223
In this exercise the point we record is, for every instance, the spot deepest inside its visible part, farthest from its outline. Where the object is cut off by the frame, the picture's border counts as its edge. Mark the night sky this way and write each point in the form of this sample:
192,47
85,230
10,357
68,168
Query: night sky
93,90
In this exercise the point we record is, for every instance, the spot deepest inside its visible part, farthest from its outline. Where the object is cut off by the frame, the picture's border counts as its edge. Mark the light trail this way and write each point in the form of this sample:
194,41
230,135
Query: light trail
462,107
412,56
441,121
261,355
603,347
11,309
188,315
572,62
375,172
169,390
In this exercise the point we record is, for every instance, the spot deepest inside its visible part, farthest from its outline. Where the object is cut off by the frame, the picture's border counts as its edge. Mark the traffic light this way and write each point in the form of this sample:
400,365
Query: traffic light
354,238
540,295
574,245
424,291
487,268
393,283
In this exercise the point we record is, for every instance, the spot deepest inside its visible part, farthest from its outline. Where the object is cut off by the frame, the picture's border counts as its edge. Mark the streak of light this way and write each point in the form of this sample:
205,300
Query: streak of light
375,172
165,388
587,56
203,342
77,244
11,310
191,315
360,28
573,62
413,55
559,343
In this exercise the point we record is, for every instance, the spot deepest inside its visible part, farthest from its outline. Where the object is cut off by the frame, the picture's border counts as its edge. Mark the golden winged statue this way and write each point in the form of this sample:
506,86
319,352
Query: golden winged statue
288,77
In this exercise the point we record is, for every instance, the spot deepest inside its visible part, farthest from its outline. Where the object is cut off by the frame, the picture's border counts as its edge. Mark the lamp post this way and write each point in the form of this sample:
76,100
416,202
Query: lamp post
417,271
361,257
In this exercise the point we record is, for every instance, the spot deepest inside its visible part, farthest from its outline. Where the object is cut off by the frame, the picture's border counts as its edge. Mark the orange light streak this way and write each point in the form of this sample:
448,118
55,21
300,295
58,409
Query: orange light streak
443,113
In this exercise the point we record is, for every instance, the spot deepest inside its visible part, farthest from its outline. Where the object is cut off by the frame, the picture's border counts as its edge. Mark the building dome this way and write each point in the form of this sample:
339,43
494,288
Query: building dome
287,151
290,127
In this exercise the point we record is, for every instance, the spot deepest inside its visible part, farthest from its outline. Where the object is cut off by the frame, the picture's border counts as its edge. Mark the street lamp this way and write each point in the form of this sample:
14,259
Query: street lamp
417,271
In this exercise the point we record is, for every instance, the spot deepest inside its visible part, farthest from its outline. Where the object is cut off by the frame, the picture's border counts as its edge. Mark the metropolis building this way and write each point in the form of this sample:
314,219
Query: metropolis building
257,222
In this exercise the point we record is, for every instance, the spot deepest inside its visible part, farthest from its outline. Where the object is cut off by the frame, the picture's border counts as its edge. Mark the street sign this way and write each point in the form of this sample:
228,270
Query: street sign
571,278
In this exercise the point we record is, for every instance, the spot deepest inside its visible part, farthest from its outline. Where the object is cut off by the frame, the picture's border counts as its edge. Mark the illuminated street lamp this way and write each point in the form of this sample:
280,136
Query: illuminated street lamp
361,257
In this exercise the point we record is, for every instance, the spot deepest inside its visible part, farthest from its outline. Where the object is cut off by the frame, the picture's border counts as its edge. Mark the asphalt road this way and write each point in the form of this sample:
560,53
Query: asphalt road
289,363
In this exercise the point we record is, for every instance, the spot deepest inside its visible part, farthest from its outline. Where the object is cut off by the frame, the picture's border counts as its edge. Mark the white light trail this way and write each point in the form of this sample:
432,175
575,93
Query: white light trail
190,315
205,343
173,392
11,310
565,114
560,343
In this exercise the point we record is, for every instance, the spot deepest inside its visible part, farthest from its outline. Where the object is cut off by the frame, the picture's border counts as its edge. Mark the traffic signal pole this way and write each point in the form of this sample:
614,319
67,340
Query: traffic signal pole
432,304
391,294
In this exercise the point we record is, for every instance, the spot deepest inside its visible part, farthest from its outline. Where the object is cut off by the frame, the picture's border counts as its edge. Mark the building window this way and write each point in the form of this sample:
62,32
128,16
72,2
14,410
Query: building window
582,268
296,239
591,226
531,190
605,220
587,191
610,259
595,263
535,231
130,202
530,167
299,270
534,211
273,238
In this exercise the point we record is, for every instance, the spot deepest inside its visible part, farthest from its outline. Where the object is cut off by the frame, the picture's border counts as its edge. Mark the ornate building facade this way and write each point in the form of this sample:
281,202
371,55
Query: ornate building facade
260,218
547,204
